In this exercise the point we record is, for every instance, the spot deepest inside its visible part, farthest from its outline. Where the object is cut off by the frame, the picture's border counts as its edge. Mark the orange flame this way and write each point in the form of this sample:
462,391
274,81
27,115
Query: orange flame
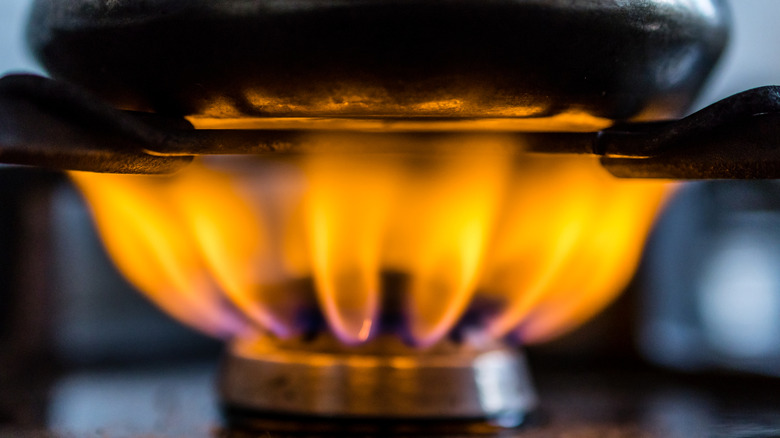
531,244
346,208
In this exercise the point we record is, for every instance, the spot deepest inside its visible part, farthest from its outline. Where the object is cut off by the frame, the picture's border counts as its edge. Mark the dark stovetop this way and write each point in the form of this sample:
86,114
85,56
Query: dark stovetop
614,400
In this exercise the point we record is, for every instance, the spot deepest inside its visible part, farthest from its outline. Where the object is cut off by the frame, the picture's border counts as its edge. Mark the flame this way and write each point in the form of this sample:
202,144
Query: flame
345,219
439,232
141,229
485,242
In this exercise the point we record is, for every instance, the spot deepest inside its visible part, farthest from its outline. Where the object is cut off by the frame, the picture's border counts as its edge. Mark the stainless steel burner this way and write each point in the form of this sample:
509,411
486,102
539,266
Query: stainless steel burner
381,380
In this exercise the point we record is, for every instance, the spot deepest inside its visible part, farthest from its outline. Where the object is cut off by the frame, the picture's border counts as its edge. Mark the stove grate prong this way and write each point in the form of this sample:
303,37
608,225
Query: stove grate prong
53,124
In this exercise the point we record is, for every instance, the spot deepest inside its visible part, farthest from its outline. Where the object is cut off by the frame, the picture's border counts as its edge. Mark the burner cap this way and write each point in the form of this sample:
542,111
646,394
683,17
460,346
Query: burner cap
268,383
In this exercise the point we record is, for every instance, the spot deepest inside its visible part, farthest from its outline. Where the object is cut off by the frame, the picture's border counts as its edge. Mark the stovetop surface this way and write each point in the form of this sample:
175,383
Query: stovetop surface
612,401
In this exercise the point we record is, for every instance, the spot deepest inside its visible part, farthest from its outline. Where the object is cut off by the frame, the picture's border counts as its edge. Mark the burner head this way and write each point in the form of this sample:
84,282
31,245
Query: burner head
386,385
616,60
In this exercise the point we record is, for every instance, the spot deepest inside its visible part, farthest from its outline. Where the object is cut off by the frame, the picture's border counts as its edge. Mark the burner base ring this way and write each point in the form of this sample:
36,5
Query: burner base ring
282,382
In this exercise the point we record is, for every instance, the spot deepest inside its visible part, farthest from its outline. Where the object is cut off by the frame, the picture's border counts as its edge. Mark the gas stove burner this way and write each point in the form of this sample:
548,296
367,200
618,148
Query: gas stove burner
414,137
390,291
384,385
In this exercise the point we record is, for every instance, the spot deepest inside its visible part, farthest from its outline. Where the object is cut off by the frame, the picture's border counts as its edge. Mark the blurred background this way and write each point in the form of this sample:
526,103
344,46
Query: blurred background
707,295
